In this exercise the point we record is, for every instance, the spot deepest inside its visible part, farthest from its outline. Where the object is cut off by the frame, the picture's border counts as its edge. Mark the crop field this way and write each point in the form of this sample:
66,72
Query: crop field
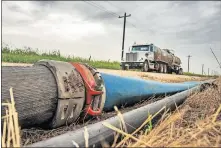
29,56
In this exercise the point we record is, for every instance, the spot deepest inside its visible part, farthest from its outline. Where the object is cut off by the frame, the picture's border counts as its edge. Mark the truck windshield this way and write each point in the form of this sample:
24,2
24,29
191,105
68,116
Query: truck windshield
140,48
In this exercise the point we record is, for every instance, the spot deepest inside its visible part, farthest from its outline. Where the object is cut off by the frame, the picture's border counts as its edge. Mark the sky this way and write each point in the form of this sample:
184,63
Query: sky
84,28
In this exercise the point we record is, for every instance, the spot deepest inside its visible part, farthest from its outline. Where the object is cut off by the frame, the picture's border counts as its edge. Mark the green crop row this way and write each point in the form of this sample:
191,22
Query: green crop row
29,55
198,75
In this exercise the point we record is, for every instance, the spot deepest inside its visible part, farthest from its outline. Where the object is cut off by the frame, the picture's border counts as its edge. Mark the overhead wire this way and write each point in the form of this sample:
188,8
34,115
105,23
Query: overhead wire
101,8
115,6
127,20
111,12
91,3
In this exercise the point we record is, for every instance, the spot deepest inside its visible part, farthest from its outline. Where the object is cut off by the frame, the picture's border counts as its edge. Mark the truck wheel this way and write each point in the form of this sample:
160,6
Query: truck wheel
170,70
157,67
123,67
161,68
145,67
165,68
180,71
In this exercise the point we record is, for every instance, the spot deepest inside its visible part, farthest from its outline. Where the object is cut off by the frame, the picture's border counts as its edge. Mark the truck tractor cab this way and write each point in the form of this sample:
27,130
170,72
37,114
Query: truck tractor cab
139,56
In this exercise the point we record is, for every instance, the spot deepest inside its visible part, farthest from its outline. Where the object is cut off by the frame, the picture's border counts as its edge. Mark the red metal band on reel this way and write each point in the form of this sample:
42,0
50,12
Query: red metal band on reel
90,85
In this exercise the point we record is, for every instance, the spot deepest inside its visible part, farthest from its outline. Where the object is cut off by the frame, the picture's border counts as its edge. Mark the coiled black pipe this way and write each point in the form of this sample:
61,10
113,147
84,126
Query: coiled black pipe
35,86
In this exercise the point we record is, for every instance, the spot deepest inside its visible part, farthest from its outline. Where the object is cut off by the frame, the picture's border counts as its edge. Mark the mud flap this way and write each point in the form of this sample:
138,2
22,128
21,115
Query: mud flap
71,92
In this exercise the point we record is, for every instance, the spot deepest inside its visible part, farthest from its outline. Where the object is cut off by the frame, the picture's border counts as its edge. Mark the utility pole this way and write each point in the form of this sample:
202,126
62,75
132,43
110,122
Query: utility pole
125,16
208,71
202,68
189,62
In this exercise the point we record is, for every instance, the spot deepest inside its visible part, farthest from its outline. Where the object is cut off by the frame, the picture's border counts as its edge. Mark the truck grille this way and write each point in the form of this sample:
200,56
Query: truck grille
130,57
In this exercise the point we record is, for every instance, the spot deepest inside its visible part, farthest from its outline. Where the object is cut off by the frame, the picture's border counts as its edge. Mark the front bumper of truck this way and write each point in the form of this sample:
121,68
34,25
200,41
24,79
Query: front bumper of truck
132,64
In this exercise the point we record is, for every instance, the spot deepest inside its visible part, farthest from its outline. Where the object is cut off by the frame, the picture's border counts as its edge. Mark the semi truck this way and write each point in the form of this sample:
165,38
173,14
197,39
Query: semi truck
149,57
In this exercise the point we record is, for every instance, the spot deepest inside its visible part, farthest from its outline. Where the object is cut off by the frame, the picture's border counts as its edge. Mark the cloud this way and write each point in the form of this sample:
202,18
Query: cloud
93,27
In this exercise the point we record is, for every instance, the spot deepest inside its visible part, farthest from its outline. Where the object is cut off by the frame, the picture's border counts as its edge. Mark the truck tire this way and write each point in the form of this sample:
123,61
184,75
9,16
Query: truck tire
180,71
161,68
123,67
164,68
145,67
170,70
157,67
127,67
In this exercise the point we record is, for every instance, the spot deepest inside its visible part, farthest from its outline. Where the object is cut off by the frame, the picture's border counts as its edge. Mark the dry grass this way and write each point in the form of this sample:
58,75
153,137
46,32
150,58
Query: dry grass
11,131
197,123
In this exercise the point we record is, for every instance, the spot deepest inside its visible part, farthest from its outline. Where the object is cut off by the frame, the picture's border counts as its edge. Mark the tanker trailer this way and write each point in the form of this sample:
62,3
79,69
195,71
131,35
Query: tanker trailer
149,57
169,62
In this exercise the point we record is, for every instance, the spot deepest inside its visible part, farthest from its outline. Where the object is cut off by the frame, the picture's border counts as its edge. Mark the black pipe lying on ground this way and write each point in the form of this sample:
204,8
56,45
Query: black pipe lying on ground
98,132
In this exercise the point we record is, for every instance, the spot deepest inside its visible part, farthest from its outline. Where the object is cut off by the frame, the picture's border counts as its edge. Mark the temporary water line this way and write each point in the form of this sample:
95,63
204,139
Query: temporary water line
98,132
55,93
128,90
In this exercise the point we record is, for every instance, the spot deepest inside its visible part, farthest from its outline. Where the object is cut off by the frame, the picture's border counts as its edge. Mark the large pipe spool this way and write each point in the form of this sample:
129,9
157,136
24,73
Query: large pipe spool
35,93
54,93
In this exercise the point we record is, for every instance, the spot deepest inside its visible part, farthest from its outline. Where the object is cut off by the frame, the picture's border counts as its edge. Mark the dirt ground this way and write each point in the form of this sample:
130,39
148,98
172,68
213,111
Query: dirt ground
173,78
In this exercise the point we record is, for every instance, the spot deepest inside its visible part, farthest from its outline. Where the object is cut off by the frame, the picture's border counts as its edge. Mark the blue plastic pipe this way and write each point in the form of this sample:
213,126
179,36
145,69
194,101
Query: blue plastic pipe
127,90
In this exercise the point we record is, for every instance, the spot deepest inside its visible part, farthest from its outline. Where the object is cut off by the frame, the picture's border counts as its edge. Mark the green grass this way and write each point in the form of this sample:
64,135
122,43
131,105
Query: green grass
28,55
198,75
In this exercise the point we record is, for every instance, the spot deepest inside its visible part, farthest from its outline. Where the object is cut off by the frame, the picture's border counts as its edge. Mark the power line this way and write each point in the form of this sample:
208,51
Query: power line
215,57
115,5
111,13
101,8
127,21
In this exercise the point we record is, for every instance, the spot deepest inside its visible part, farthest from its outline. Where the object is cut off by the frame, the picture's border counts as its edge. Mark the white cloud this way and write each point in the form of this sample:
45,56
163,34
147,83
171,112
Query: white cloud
64,25
80,29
